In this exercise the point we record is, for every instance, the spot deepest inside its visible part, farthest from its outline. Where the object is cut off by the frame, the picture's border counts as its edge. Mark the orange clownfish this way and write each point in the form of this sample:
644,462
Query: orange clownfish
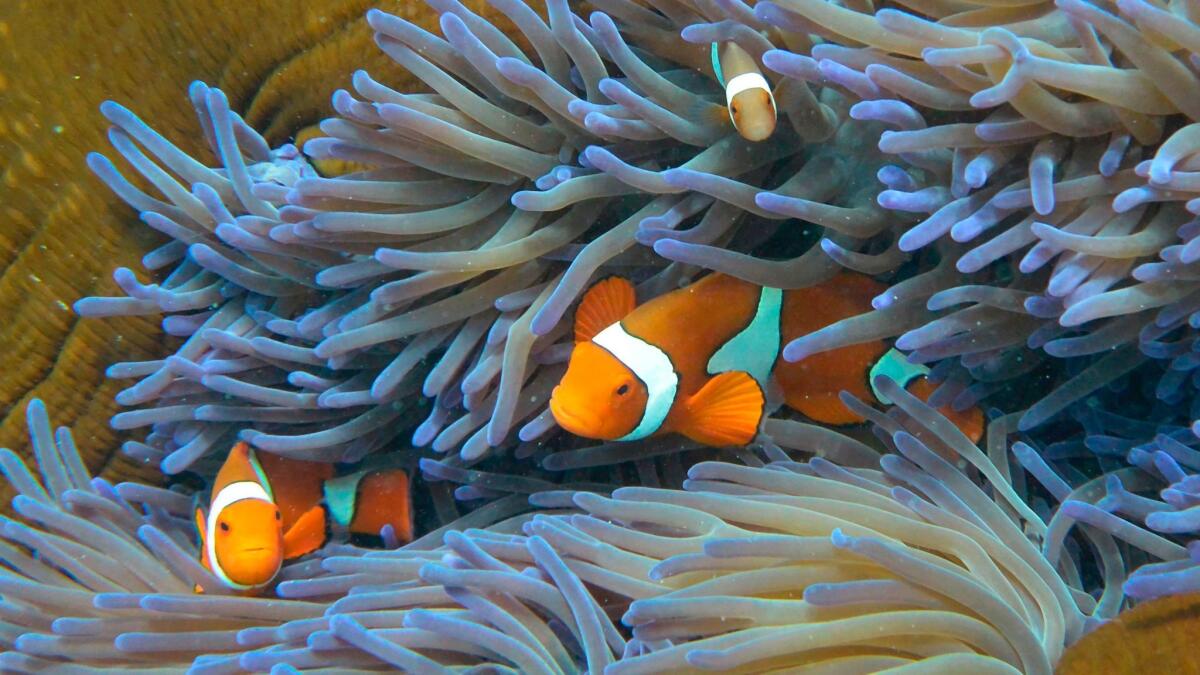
747,93
698,360
266,509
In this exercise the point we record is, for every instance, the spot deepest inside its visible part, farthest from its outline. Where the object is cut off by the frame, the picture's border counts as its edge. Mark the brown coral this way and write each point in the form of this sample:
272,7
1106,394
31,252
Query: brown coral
59,231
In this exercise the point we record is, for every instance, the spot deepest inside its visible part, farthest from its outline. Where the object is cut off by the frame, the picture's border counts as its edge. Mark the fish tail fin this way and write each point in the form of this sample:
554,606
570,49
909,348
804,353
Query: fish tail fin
605,303
383,499
726,411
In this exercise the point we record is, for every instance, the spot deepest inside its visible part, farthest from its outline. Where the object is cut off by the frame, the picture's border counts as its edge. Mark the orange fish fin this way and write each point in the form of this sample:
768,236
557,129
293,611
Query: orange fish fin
306,535
604,304
726,411
201,521
201,525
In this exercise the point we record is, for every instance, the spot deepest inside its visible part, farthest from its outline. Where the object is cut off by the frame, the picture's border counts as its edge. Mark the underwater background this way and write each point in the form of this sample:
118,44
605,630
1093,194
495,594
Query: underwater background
357,234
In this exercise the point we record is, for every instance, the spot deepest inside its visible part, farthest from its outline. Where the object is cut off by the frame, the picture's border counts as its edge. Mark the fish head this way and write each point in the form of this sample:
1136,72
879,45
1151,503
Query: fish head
599,397
753,113
248,541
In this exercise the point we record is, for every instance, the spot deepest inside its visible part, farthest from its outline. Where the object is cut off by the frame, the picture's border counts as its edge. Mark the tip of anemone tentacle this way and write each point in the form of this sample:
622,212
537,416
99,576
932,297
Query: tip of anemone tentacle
884,300
250,436
840,539
36,415
98,163
113,111
799,349
1149,586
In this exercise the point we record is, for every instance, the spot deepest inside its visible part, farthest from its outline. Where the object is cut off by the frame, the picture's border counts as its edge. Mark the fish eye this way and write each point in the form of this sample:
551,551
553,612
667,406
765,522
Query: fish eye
224,526
277,516
622,390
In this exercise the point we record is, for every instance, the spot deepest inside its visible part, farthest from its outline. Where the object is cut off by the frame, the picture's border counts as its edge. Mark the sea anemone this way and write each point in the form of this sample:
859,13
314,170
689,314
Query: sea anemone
103,576
311,301
317,311
909,563
408,276
1162,534
1045,152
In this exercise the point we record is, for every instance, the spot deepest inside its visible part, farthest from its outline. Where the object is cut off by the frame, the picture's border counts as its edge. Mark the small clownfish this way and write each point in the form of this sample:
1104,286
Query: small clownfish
747,93
698,360
1154,636
266,509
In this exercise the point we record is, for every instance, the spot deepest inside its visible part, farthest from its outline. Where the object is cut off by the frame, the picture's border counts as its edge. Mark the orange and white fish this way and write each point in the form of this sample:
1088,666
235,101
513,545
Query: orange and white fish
266,509
698,360
747,93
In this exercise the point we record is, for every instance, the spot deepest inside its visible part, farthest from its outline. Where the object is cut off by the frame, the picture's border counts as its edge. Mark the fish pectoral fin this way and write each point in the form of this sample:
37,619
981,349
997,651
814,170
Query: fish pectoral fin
604,304
201,522
726,411
306,535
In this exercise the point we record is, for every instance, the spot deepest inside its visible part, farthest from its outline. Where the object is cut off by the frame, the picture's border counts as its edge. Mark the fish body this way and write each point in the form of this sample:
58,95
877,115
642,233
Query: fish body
699,360
266,509
748,96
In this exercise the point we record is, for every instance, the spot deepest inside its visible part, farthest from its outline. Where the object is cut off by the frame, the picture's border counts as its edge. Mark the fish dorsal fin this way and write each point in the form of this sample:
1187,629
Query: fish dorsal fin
726,411
306,535
240,465
604,304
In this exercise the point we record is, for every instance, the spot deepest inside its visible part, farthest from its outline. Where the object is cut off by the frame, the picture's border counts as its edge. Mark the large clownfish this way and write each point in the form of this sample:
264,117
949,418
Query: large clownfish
747,93
266,509
698,360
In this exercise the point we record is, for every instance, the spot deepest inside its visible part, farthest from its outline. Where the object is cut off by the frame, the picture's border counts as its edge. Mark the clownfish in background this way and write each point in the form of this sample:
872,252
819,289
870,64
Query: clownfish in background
266,509
747,93
698,360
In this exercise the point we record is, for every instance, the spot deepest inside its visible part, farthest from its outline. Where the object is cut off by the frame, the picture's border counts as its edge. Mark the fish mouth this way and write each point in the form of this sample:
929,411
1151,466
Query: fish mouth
568,420
254,549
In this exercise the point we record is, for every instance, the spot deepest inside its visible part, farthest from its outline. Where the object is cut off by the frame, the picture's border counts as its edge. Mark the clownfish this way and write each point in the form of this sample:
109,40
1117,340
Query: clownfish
266,509
698,360
747,93
1152,637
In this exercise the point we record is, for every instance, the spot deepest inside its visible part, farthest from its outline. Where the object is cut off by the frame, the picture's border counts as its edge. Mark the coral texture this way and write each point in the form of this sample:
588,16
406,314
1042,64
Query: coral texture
61,232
